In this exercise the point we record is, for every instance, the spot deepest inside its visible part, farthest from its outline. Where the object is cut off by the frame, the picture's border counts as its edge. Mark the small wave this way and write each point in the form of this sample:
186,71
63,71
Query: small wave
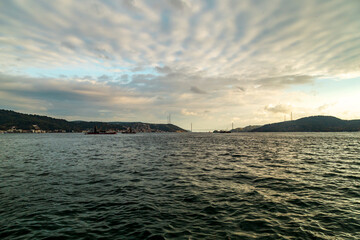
180,186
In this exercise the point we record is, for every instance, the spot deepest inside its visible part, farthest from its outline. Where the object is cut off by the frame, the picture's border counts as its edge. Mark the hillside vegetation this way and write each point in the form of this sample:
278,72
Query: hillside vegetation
9,119
312,124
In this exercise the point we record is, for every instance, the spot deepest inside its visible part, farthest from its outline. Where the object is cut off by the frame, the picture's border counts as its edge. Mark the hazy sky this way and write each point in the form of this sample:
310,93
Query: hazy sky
206,62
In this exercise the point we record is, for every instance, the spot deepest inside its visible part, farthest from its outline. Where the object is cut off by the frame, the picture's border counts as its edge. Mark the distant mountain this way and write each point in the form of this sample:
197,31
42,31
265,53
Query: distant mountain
312,124
9,119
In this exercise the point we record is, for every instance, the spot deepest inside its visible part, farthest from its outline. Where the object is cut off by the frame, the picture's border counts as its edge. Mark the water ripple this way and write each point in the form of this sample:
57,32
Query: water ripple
180,186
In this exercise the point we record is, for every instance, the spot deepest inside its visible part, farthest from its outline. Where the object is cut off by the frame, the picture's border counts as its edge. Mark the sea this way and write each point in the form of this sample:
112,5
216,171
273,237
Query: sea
180,186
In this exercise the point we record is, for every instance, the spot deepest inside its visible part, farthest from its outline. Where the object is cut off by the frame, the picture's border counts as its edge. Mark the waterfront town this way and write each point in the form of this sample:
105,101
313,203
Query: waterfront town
34,129
138,128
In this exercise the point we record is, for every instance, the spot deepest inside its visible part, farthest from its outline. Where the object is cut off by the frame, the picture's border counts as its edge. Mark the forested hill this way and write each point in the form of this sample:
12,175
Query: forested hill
9,119
312,124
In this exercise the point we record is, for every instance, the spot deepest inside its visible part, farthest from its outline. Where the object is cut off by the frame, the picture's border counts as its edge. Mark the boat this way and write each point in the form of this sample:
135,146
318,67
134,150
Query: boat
96,131
225,131
221,131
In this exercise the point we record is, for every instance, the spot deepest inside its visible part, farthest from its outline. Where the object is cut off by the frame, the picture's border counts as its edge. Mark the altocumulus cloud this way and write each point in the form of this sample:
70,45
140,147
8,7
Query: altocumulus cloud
145,58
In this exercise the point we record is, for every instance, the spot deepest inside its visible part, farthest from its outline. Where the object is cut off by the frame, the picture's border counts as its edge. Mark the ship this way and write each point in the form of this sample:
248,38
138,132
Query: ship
221,131
224,131
96,131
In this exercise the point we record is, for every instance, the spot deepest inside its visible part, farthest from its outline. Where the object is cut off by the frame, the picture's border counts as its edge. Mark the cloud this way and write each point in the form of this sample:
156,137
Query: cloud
280,108
285,81
187,112
197,90
71,96
325,107
287,39
242,89
169,54
104,78
180,4
164,69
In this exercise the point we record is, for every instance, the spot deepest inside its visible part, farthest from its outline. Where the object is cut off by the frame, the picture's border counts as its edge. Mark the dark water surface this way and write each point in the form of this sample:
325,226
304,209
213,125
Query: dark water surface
180,186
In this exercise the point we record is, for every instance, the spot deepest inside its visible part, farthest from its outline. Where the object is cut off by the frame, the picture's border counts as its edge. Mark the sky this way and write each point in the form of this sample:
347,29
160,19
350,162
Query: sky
210,63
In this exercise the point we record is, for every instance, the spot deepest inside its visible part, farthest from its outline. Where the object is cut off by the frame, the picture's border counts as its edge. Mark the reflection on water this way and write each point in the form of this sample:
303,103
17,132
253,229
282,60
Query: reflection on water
165,186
